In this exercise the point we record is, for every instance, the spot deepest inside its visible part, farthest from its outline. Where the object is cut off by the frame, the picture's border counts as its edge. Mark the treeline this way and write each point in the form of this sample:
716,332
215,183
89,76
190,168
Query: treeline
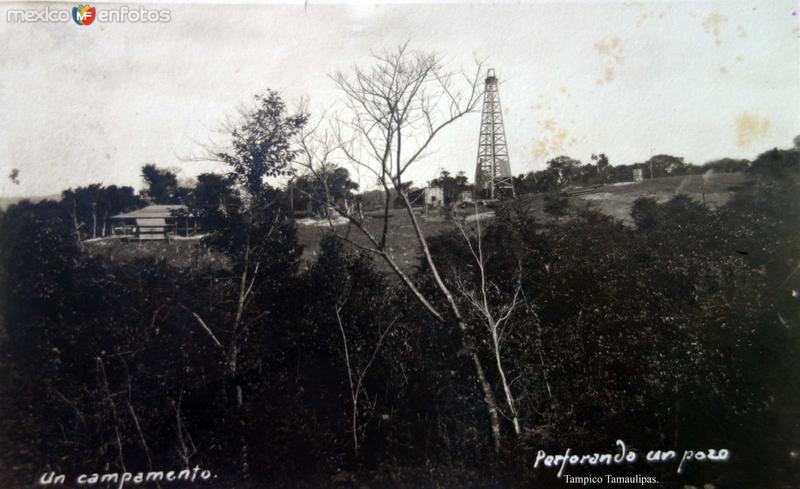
90,207
563,171
680,333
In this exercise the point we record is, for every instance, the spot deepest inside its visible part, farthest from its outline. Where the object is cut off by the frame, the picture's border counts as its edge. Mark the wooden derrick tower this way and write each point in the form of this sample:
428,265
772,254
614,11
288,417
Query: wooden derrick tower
493,179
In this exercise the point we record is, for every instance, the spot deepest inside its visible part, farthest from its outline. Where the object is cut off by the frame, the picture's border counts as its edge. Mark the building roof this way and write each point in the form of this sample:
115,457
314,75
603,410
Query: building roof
151,212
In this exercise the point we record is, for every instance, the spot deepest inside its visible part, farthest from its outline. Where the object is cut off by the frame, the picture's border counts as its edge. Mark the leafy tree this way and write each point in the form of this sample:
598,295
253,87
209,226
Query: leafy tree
114,200
727,165
212,198
262,143
560,172
563,169
777,164
90,207
81,206
664,165
526,183
329,183
161,185
413,194
452,186
372,199
602,166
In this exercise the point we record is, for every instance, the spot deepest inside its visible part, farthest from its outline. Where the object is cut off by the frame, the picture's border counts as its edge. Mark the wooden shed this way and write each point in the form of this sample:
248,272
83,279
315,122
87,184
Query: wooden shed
155,222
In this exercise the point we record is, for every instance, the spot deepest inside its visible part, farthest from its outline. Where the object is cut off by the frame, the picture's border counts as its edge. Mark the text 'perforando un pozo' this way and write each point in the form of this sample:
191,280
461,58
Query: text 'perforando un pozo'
624,455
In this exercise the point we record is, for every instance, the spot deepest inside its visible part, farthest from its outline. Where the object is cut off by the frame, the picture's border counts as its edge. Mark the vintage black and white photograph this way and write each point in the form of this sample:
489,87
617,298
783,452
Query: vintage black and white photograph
400,244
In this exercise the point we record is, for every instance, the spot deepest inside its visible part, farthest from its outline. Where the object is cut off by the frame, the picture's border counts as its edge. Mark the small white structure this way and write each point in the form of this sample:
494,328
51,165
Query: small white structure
638,174
434,196
465,196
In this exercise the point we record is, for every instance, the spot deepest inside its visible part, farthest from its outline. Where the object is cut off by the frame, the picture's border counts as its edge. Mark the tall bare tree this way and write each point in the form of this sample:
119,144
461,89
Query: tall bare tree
394,110
493,317
357,370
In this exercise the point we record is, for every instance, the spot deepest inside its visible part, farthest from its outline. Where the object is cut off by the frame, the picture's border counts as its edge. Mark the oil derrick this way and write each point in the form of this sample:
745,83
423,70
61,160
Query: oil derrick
493,178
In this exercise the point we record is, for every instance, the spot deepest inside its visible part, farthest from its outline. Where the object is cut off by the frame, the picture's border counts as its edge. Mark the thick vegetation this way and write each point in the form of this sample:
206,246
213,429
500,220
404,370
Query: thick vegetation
679,333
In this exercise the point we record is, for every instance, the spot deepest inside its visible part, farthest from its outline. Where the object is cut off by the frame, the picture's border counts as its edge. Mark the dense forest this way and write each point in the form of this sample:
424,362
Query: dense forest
680,332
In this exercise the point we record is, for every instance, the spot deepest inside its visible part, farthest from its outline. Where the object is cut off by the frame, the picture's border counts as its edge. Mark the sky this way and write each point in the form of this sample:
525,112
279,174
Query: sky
699,80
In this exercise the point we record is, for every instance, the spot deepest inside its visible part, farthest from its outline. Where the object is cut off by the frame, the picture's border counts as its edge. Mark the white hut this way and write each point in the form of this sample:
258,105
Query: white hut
434,196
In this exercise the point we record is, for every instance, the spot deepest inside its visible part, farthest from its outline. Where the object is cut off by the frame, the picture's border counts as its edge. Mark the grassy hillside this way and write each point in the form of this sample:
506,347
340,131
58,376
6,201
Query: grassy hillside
402,240
715,189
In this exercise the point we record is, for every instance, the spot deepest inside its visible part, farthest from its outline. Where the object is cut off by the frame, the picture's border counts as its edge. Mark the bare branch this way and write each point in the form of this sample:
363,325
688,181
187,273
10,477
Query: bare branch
204,326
